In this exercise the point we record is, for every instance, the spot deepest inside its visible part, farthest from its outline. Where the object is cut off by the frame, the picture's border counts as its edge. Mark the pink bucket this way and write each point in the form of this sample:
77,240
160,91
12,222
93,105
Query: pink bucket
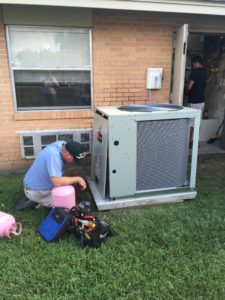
63,196
8,225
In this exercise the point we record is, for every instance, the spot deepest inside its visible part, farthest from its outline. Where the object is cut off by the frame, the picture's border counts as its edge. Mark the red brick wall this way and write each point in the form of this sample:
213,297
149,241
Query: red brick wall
12,122
7,136
124,45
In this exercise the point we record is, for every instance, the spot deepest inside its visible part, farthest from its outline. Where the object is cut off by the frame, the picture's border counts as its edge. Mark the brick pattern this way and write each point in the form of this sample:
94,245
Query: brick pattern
8,156
12,122
124,45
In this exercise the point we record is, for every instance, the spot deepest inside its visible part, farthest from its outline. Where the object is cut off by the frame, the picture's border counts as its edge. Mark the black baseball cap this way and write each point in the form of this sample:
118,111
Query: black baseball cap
76,149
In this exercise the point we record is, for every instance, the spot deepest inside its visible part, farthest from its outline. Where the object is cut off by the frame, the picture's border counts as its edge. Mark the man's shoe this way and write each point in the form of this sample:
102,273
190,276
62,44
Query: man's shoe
24,204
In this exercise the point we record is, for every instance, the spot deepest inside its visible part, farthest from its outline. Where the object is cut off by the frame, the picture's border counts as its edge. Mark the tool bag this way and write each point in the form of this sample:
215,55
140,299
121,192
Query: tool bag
90,230
87,228
55,224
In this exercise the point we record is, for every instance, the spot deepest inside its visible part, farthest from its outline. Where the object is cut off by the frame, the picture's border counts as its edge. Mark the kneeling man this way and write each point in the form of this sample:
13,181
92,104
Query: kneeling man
47,171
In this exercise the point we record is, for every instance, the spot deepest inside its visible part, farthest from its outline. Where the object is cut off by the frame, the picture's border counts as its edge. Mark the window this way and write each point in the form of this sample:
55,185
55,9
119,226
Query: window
51,67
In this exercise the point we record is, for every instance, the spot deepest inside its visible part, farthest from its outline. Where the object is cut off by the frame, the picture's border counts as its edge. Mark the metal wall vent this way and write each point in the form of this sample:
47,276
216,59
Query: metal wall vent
32,142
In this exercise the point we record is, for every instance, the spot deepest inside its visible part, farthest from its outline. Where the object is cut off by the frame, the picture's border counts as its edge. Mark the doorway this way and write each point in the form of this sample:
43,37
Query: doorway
211,47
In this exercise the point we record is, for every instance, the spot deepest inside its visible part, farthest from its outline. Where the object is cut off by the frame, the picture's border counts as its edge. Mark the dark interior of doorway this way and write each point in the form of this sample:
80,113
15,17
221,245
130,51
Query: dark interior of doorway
211,47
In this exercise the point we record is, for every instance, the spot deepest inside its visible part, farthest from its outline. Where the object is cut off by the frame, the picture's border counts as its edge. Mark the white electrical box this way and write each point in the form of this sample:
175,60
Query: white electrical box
154,78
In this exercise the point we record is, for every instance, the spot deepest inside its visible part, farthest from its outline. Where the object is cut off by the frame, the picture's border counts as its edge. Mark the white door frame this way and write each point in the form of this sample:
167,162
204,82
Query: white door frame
179,63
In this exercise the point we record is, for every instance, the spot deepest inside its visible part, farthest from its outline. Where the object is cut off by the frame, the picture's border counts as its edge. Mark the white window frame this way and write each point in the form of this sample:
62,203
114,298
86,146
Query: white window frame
49,108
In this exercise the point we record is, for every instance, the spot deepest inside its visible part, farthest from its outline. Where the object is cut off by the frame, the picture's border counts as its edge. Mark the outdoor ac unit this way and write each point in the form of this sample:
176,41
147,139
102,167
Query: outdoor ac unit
32,142
140,155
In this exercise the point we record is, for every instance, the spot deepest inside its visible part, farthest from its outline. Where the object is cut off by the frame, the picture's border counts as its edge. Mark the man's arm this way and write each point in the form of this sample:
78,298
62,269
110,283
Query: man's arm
66,180
192,79
189,84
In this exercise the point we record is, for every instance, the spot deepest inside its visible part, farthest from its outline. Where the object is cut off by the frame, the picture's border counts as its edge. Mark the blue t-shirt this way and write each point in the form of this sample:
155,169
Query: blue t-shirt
48,163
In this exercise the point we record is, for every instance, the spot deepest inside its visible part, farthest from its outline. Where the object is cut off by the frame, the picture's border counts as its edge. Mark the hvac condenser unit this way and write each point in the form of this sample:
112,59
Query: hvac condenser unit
140,155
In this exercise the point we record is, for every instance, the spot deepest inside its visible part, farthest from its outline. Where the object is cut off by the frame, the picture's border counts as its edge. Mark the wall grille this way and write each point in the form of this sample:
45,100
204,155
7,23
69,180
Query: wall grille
32,142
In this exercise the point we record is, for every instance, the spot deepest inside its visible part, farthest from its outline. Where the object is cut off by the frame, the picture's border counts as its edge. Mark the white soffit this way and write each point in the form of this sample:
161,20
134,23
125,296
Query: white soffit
193,7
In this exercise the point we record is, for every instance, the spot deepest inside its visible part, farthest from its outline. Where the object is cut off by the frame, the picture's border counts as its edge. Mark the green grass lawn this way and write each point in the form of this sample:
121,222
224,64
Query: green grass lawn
174,251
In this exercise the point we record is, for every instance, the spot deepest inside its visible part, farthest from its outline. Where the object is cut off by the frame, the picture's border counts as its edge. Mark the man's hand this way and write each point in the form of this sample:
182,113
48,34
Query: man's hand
66,180
82,183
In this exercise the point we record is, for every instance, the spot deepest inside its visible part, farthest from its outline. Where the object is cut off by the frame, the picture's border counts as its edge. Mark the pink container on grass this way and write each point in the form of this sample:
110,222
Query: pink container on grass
63,196
8,225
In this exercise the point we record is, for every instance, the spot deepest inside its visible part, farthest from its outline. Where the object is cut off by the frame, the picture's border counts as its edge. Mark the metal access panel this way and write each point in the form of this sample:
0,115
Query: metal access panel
122,157
162,154
99,153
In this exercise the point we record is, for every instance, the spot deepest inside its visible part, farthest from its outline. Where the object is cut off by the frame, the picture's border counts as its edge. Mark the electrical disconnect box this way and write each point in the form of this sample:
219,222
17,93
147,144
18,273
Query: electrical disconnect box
154,78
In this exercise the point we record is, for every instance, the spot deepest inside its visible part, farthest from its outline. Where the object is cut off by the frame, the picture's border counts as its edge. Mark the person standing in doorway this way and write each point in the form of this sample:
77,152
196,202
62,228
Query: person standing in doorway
196,87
